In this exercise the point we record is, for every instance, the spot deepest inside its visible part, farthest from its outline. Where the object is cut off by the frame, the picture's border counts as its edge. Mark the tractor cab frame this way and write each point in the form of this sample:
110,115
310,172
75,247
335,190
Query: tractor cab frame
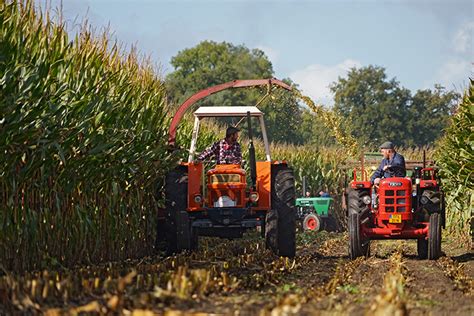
227,111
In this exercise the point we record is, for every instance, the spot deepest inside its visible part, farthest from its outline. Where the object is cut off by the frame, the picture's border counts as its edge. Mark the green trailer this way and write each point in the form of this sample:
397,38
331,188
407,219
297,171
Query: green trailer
316,213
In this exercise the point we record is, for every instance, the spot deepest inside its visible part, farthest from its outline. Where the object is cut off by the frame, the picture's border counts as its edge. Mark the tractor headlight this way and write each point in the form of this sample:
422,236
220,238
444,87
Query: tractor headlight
366,199
253,197
197,198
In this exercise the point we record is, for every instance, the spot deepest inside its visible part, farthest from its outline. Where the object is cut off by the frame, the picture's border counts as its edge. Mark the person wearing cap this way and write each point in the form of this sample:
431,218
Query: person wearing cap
392,165
225,151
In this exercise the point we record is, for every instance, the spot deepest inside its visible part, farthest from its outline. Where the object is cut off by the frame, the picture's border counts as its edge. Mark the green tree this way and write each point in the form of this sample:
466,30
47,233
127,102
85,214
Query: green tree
375,107
379,109
430,113
210,63
313,131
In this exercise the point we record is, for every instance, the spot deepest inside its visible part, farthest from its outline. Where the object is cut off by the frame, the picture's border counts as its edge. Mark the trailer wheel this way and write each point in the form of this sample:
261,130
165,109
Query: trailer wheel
179,233
280,229
312,222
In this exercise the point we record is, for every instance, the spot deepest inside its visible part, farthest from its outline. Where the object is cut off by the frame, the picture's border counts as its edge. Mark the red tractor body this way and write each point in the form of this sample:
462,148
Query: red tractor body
400,208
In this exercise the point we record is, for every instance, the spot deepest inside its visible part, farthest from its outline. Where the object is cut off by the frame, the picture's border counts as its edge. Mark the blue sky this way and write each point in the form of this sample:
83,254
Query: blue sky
312,42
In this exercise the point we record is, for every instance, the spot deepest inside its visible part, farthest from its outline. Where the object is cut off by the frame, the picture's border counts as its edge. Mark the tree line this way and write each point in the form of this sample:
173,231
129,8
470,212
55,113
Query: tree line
375,108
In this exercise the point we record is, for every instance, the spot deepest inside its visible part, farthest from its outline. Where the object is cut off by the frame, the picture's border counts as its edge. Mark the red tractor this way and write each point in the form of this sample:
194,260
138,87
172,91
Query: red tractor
220,202
400,208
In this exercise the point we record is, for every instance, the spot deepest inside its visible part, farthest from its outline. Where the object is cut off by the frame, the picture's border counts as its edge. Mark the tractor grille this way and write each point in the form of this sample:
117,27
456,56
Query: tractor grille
396,201
235,196
225,178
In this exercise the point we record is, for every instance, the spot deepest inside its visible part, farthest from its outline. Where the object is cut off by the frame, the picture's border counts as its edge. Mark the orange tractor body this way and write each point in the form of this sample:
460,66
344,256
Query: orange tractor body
219,202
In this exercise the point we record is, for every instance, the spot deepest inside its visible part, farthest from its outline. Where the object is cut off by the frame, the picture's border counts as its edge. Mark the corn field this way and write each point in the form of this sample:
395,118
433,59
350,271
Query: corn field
83,136
83,141
456,158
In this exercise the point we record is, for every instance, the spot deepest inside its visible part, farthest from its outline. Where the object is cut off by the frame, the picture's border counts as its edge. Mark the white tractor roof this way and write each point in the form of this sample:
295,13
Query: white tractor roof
214,111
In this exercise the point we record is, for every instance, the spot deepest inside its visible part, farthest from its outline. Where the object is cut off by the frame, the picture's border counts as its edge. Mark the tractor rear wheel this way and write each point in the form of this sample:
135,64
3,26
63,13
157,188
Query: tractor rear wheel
358,211
312,222
280,230
179,233
434,237
356,203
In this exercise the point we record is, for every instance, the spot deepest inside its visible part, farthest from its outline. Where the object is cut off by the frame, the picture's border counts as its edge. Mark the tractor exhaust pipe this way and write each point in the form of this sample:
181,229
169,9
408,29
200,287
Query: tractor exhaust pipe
304,186
252,160
424,158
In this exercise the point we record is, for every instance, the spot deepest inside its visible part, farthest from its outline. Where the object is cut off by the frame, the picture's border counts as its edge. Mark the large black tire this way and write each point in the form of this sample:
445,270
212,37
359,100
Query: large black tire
160,241
358,246
358,211
179,233
355,202
434,237
280,230
430,248
422,248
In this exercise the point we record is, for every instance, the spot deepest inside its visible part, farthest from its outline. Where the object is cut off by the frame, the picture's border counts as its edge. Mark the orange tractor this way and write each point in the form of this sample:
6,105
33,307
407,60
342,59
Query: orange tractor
219,202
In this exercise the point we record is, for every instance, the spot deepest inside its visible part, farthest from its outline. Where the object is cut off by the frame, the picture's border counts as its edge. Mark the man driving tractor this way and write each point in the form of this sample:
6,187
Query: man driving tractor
393,164
225,151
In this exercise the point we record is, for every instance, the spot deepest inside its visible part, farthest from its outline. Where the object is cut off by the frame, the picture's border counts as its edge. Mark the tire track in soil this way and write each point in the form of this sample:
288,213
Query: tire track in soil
427,287
355,294
317,263
430,290
321,281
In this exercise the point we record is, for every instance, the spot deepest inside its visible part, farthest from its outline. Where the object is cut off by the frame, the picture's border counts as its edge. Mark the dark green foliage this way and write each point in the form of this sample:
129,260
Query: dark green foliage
379,109
210,63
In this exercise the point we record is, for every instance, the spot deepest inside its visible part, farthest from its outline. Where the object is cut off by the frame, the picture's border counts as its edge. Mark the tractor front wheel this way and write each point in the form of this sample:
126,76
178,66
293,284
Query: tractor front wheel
430,248
422,248
358,246
312,222
357,211
434,237
280,228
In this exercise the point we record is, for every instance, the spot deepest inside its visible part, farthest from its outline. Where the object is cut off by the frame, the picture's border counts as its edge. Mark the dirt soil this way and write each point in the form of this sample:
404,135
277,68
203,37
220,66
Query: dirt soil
240,277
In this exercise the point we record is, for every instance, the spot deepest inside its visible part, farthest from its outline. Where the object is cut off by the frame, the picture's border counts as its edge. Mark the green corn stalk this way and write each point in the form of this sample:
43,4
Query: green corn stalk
455,155
83,139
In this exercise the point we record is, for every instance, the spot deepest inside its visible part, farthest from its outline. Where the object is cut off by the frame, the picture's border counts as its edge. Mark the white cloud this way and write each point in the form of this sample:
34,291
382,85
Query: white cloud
314,80
272,54
454,74
463,39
